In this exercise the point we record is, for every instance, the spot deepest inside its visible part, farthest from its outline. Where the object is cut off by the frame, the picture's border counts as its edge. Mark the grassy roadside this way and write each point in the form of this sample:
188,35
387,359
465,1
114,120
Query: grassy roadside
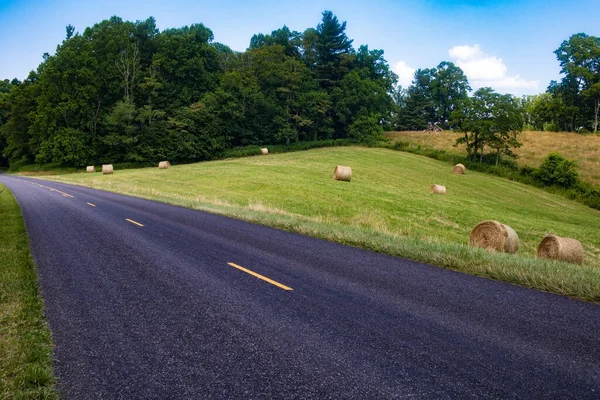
387,208
25,343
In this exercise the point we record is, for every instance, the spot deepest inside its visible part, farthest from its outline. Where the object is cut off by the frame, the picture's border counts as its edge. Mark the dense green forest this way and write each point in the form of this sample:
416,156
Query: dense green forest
124,92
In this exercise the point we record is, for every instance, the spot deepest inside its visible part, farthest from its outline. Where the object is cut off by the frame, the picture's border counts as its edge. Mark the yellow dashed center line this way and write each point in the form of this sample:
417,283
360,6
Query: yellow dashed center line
264,278
63,193
133,222
90,204
52,189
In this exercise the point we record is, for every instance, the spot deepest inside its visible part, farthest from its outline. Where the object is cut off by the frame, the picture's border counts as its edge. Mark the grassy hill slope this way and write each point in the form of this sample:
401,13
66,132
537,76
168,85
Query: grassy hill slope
585,149
386,207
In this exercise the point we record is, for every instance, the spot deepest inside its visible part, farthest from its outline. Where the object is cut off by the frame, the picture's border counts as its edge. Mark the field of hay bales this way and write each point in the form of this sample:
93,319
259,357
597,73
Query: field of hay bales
585,149
387,206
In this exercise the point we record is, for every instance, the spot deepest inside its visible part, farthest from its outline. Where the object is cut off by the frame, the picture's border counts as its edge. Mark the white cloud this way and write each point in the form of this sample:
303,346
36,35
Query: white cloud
466,52
404,72
484,70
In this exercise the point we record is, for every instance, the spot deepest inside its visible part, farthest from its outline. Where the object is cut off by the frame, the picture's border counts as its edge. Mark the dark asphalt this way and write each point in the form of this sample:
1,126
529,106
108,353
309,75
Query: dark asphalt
156,312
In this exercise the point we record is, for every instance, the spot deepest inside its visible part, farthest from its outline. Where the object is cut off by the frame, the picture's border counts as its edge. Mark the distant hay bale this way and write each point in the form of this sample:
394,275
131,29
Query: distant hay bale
459,169
107,169
495,236
164,165
264,151
342,173
438,189
90,168
560,248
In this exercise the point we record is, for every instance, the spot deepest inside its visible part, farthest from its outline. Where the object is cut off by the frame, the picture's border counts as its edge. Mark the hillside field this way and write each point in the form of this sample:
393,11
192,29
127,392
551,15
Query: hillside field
585,149
386,207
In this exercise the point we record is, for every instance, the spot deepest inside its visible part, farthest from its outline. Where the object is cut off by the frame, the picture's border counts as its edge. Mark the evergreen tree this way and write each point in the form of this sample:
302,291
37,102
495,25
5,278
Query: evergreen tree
332,50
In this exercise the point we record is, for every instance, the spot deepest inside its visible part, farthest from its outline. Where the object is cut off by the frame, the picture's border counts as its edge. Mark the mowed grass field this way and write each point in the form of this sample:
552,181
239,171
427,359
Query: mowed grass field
25,343
585,149
387,207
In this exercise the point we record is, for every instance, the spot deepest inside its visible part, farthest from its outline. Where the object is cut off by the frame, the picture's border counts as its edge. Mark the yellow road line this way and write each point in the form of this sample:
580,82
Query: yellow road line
133,222
90,204
54,190
259,276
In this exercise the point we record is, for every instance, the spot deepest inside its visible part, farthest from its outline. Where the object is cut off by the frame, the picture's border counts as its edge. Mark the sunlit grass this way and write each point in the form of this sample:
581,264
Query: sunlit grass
386,207
585,149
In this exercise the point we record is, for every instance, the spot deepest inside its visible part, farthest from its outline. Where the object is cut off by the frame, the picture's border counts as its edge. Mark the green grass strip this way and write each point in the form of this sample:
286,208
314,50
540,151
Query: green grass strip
25,342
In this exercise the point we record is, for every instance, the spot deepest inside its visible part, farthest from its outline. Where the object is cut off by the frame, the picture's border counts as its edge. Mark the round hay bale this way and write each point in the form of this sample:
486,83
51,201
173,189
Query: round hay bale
342,173
560,248
438,189
90,168
495,236
164,165
264,151
107,169
459,169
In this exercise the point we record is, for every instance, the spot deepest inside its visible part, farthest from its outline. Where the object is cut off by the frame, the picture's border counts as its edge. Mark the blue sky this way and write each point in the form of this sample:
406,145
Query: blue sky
507,45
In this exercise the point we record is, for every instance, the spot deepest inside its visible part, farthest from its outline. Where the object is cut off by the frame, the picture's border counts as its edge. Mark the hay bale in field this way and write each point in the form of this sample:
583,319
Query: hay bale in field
495,236
107,169
90,168
164,165
342,173
459,169
264,151
438,189
560,248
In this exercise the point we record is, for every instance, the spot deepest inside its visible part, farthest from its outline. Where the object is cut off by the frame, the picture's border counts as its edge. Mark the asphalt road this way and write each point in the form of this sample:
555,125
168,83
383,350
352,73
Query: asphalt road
162,311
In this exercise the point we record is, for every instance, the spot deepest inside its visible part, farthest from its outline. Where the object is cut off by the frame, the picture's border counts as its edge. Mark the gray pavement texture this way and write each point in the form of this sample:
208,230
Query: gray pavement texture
156,312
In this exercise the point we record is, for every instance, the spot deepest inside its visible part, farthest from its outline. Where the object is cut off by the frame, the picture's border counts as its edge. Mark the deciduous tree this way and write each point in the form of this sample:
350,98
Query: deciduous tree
489,119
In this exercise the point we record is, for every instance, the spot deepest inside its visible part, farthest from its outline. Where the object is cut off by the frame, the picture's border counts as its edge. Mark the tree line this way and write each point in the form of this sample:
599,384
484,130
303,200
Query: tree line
571,104
126,92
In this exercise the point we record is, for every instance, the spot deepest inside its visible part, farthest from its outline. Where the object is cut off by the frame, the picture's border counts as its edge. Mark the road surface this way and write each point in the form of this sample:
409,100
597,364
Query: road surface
151,301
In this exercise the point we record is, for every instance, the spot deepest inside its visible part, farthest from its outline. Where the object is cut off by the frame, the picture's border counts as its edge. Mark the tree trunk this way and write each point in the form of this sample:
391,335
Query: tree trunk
497,155
596,110
96,119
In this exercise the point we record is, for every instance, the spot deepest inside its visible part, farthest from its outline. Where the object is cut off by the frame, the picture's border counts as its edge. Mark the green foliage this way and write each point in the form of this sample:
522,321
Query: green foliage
489,119
333,50
557,170
574,103
66,148
125,92
434,94
366,129
286,148
550,127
